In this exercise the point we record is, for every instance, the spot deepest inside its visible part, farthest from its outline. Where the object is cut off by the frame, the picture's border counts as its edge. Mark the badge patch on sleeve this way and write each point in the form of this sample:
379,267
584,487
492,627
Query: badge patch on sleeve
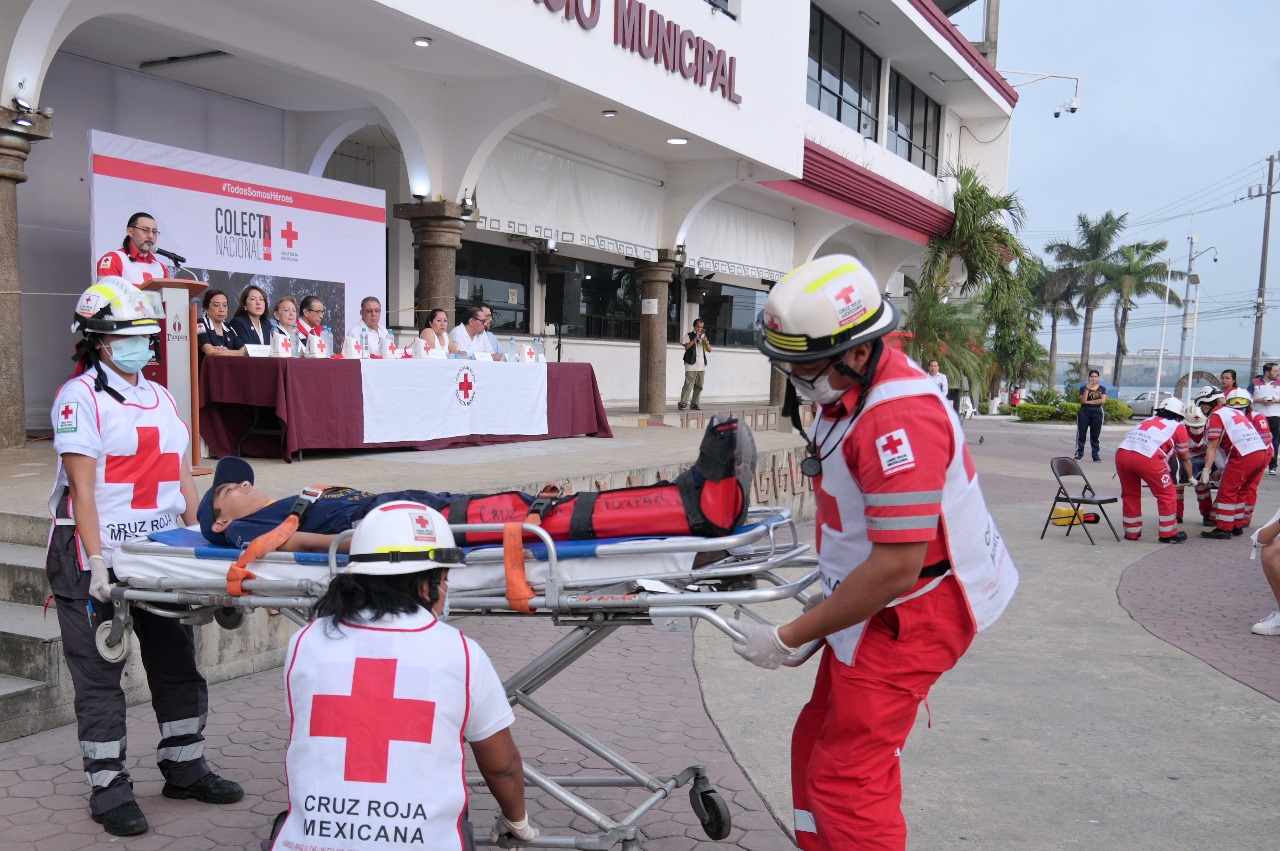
895,452
68,418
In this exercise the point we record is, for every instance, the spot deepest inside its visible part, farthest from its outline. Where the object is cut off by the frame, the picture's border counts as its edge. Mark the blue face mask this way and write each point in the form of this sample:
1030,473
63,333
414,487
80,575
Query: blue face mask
131,354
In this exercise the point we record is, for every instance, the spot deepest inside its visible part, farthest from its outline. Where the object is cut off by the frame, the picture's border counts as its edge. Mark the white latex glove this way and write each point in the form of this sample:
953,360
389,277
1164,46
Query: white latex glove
1205,475
99,580
519,829
762,646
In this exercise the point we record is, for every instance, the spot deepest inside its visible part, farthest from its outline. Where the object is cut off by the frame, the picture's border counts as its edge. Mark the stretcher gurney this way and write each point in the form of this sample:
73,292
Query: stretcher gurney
593,587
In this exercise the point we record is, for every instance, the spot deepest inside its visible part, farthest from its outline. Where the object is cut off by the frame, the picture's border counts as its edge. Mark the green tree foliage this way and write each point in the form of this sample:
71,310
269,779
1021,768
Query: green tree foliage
1056,298
939,328
1085,262
982,236
1137,271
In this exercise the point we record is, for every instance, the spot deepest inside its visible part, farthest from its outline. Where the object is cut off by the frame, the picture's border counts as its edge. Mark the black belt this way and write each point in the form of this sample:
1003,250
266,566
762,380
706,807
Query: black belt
930,571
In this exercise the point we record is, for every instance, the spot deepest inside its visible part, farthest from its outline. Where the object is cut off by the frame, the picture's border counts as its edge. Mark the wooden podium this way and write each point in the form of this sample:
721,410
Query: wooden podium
176,366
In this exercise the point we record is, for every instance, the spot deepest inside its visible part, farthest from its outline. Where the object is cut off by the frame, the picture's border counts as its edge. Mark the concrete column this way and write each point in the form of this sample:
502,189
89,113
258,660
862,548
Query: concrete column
437,236
15,146
655,278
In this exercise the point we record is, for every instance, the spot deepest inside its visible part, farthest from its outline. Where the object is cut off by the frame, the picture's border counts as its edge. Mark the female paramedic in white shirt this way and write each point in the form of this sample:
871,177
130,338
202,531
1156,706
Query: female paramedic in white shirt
123,473
382,694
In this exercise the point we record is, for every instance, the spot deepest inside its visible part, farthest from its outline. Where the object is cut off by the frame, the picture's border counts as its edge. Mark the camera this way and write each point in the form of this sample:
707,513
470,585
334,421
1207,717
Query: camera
1074,105
1057,112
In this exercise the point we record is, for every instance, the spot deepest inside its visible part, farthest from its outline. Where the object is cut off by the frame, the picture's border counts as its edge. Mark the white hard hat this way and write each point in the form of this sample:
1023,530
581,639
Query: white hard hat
402,537
115,306
1196,418
1171,405
1239,398
823,308
1208,393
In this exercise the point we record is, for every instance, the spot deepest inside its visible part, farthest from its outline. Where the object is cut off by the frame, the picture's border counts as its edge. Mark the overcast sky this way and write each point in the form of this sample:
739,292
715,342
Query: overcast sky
1178,113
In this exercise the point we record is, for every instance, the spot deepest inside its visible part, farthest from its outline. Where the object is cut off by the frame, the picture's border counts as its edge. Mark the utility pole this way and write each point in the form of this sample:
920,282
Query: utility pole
1186,317
1260,306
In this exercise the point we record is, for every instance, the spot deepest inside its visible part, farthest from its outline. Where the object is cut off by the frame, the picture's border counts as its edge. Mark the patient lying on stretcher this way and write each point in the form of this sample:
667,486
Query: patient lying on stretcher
708,499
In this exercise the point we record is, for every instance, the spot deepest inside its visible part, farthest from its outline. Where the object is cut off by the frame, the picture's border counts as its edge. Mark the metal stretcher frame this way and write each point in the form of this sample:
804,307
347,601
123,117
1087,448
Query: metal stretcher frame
745,575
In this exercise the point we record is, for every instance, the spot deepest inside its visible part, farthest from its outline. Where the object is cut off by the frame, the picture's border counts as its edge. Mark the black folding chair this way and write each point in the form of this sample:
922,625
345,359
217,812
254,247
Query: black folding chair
1065,468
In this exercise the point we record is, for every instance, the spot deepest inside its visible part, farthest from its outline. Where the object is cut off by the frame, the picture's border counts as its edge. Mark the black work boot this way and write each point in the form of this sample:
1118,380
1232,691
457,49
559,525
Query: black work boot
124,820
211,789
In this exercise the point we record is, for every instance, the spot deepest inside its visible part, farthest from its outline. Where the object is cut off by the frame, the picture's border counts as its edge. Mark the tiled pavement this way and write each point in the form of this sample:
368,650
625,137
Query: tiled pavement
636,691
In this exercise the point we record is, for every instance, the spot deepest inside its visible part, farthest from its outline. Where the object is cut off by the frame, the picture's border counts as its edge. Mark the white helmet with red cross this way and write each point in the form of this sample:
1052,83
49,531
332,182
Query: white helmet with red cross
825,307
115,306
402,537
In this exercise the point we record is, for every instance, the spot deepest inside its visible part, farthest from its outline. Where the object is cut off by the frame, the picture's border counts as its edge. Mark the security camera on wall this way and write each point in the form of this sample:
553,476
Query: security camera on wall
1074,105
1057,112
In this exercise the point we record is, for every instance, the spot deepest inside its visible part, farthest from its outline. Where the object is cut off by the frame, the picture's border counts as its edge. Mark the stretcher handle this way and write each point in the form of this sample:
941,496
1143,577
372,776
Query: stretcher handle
728,628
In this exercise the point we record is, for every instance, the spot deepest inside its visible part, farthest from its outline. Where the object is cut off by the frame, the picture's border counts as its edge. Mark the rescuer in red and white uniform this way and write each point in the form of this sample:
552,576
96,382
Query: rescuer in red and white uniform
912,563
1197,441
133,260
123,472
382,695
1247,455
1143,457
1264,431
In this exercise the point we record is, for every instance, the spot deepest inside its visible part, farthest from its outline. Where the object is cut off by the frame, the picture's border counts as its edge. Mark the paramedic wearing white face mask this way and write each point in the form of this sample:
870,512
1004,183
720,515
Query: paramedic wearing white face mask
912,564
123,472
382,694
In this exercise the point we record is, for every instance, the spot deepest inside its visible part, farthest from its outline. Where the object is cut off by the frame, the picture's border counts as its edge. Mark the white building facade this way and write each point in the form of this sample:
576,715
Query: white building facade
717,142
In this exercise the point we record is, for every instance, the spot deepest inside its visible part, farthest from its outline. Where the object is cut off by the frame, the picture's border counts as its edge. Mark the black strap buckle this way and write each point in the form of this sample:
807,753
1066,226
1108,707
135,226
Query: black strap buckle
306,499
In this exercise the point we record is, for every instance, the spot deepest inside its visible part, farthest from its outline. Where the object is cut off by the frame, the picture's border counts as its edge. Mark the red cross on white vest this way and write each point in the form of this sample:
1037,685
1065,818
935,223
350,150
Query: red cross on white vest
145,470
1151,425
370,719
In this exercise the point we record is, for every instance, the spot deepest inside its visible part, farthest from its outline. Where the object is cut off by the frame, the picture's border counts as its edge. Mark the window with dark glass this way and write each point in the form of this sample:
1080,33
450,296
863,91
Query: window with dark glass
844,76
730,313
602,301
499,277
913,123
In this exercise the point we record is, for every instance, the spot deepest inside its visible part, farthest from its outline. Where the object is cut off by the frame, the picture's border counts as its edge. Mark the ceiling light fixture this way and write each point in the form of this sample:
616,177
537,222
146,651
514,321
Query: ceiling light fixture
937,79
22,105
22,121
422,41
610,113
678,140
868,18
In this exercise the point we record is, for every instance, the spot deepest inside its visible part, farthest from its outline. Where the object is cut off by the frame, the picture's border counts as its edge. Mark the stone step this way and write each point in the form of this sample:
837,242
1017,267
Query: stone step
31,530
30,642
22,578
25,708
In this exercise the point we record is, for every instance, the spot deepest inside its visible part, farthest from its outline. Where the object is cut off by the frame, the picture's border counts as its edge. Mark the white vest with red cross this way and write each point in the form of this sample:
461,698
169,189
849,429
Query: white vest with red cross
375,757
974,546
1239,431
1154,438
138,481
136,269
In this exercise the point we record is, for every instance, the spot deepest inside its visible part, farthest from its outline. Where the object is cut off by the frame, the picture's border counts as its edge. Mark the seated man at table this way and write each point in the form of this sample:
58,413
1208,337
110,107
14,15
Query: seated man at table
370,325
310,316
469,336
233,512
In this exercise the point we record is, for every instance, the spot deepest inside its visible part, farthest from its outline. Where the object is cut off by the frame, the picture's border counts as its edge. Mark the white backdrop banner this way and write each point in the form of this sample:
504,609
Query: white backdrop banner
431,399
238,223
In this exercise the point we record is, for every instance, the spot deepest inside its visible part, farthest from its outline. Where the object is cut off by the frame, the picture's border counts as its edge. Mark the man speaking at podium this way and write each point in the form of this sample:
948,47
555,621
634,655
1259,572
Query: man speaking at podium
135,259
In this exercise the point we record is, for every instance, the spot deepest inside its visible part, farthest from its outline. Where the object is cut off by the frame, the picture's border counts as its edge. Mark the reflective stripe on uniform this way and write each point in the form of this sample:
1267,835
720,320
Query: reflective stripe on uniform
185,753
905,498
182,727
804,823
885,524
101,779
103,750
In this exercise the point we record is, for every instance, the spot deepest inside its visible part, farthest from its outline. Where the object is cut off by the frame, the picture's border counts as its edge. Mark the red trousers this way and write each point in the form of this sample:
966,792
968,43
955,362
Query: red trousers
1238,490
1134,469
846,782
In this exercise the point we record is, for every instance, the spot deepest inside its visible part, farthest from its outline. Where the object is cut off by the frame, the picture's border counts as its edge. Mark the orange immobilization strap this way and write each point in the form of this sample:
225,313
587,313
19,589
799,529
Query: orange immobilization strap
258,547
518,591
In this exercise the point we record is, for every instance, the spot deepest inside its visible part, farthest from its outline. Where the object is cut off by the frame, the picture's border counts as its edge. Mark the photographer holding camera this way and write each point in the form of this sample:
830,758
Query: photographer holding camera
695,368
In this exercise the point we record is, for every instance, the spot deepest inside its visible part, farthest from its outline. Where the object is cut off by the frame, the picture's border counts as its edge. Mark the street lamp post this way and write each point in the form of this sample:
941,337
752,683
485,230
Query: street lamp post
1164,321
1192,280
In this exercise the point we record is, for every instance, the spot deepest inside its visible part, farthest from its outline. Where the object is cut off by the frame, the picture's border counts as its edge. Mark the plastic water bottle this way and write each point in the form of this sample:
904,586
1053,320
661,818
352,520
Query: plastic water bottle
512,352
364,341
537,347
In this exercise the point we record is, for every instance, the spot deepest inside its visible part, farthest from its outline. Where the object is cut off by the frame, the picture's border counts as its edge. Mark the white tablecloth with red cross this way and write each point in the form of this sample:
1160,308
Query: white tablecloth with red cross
422,400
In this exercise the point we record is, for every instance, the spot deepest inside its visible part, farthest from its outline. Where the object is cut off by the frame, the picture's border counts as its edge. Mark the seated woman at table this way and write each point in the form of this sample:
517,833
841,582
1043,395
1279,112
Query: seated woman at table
436,332
285,314
250,320
216,336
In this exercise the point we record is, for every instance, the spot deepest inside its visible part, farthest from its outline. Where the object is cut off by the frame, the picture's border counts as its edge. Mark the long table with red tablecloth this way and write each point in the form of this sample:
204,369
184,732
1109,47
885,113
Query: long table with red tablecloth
277,407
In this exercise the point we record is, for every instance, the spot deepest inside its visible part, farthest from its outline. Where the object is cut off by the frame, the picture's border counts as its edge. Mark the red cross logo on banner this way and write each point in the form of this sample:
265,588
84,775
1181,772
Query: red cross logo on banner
145,470
290,235
891,445
846,294
370,719
1151,425
466,386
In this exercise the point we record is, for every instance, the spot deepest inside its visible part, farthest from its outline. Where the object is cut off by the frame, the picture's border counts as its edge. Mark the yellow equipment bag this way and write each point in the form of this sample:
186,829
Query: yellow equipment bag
1066,517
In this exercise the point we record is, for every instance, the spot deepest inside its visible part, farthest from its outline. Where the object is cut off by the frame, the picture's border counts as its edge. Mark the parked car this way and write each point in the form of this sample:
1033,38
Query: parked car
1144,403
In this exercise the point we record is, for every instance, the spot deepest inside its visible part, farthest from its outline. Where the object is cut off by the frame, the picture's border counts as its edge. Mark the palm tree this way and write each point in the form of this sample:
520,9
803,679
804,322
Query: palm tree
981,237
939,328
1015,356
1053,294
1136,272
1084,262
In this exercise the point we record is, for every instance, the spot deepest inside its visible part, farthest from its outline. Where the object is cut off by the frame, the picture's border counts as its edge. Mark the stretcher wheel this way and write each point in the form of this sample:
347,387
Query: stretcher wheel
112,654
228,617
712,811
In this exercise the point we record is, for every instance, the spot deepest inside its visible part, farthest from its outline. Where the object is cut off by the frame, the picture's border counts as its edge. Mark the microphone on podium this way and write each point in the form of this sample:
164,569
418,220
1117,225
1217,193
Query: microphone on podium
176,258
